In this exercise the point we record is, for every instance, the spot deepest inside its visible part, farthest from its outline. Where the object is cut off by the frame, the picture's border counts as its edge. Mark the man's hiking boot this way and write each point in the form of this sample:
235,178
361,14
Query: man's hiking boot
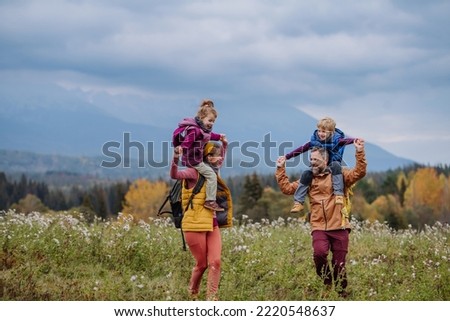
339,199
213,206
297,208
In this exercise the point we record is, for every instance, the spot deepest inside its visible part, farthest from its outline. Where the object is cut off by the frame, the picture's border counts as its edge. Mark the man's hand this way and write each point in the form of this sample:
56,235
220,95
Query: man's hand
281,161
359,144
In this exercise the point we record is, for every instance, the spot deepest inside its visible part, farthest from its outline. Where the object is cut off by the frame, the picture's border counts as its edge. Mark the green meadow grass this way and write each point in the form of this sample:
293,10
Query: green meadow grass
60,258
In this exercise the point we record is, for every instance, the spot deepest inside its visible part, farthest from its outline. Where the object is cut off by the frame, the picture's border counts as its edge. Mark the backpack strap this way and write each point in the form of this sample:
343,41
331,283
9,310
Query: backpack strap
174,191
183,240
198,186
160,211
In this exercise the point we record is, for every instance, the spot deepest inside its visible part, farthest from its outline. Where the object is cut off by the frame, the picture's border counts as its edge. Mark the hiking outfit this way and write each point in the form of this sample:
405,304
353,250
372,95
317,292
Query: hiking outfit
329,227
335,146
201,225
194,138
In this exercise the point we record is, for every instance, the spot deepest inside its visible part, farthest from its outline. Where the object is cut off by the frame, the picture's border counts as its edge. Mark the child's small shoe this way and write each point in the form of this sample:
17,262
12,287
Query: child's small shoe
212,205
339,199
297,208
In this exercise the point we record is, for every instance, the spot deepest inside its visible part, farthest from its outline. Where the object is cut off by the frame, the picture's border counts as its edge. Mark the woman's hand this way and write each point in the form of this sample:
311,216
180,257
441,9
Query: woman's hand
177,152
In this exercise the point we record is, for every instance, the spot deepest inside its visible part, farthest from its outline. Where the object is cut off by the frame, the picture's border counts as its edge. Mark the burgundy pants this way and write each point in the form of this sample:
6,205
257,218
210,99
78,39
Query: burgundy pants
337,242
206,247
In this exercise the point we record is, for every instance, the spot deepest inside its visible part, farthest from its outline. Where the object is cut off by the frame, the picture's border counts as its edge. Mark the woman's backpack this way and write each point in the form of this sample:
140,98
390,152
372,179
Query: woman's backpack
176,207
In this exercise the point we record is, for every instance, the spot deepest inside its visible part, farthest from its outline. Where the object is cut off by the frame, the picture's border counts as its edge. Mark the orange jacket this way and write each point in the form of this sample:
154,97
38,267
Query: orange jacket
325,215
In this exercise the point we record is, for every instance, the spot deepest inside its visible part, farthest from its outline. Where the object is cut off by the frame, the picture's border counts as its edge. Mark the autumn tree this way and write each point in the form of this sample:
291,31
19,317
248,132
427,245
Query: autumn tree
424,196
359,207
272,205
143,199
402,184
387,208
445,210
445,217
30,203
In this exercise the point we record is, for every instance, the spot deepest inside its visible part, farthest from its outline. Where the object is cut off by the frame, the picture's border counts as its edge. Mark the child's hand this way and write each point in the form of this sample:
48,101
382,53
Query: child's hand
223,138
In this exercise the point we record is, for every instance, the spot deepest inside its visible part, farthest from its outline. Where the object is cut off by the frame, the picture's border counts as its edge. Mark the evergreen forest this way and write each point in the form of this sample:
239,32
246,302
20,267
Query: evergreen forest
402,198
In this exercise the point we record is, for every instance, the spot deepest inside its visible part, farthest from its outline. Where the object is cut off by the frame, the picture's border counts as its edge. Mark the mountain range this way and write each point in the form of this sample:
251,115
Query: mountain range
47,127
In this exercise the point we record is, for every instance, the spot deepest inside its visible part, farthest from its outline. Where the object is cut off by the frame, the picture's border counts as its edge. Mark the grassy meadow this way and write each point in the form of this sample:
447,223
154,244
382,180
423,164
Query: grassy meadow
59,257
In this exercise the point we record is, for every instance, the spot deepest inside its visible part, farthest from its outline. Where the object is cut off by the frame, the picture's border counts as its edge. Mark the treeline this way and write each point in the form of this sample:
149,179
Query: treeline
27,195
413,196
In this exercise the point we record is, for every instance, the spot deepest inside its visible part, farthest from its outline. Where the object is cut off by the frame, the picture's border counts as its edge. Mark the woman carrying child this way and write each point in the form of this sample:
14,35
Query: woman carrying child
200,225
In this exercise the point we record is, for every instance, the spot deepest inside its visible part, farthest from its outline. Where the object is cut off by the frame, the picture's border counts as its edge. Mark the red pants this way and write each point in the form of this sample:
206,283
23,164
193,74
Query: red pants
337,242
206,247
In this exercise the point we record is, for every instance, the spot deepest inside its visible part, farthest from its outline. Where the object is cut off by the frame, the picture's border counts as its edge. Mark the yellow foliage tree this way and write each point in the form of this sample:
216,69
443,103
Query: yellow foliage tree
144,198
445,215
372,212
360,208
28,204
387,208
271,205
425,195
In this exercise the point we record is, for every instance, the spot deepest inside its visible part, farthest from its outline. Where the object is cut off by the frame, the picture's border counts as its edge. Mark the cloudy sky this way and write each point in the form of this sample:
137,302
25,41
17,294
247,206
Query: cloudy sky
381,67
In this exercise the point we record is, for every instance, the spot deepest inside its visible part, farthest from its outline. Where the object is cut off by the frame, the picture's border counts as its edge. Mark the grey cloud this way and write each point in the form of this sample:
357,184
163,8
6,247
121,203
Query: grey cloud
309,53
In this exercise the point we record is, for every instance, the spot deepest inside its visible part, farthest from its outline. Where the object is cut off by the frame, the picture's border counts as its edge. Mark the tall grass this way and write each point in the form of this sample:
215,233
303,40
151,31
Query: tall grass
60,257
